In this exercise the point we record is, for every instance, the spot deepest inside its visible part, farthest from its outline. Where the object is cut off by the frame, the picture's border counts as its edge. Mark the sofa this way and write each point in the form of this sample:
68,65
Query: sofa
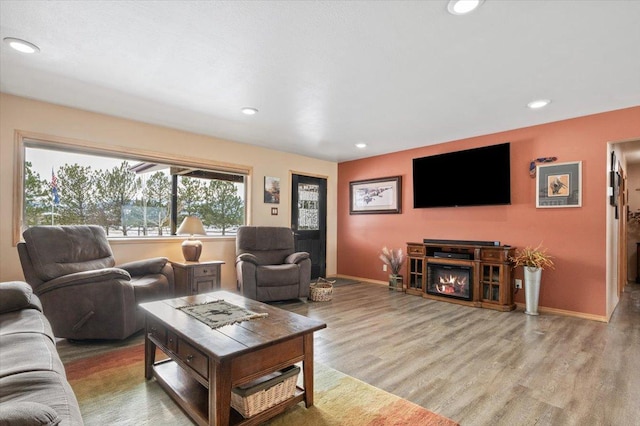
33,385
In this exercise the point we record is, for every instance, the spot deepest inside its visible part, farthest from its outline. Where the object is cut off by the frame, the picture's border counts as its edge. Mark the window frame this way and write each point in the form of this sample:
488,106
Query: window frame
23,139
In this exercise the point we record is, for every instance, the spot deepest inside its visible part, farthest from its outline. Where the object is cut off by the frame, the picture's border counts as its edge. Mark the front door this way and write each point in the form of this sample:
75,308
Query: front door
309,220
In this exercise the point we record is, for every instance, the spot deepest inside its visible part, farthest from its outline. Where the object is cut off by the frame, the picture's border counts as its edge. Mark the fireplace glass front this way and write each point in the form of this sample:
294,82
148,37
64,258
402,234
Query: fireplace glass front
449,281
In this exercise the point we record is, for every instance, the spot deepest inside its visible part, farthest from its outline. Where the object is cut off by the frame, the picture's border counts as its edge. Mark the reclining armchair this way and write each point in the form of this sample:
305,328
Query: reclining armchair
267,266
84,295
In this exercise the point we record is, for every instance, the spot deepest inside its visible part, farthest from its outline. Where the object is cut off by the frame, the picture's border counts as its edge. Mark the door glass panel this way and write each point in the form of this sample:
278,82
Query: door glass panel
308,207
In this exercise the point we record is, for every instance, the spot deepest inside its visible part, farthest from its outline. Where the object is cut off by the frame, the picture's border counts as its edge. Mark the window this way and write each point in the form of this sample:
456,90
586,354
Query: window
128,195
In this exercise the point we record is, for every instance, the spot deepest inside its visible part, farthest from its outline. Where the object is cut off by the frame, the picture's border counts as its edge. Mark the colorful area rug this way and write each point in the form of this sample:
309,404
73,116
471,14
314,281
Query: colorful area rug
219,313
111,389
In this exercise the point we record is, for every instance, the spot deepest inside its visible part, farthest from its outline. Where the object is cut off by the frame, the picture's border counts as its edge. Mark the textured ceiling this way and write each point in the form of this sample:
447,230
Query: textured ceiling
326,75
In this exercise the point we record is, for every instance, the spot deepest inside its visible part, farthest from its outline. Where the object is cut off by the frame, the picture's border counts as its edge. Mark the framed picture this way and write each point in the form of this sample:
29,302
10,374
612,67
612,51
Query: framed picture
614,178
374,196
559,185
271,190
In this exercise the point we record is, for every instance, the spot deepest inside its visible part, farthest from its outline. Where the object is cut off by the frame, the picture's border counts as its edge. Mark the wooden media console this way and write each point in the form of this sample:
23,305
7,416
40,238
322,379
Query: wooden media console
478,273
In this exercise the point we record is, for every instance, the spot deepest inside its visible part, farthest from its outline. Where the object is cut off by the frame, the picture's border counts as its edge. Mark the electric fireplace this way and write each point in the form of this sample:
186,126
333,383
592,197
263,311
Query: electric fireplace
453,281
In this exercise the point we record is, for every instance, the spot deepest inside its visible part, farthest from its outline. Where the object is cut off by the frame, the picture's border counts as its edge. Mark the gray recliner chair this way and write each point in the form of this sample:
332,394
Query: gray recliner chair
267,266
84,295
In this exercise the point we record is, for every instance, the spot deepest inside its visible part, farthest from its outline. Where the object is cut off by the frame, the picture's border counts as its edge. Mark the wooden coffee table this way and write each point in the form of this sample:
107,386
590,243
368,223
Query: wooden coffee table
204,364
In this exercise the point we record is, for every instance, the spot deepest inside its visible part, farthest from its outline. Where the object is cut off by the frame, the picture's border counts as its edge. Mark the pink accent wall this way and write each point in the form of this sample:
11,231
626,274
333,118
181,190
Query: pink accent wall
574,236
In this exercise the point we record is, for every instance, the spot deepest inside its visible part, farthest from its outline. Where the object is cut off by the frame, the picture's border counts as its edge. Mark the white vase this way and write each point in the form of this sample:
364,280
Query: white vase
532,289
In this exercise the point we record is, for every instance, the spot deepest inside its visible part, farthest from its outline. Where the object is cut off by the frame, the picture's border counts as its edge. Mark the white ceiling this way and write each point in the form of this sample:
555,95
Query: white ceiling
327,74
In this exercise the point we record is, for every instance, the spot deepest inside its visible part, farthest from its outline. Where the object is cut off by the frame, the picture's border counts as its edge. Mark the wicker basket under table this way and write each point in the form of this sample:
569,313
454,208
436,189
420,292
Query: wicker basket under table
265,392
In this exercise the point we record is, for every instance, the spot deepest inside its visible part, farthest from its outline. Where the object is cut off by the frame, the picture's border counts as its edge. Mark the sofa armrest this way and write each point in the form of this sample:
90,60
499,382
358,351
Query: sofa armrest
27,413
297,257
85,277
247,257
246,276
16,295
145,266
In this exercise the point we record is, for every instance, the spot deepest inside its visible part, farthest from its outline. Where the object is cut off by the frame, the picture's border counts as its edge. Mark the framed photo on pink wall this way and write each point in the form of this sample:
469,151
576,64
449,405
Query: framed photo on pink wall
559,185
375,196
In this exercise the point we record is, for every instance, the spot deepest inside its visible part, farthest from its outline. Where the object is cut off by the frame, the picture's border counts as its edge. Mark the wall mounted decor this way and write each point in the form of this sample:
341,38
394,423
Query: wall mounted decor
271,190
382,195
559,185
532,164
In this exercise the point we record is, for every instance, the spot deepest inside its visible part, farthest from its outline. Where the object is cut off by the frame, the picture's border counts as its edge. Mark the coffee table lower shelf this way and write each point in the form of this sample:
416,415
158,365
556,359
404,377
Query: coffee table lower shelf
193,398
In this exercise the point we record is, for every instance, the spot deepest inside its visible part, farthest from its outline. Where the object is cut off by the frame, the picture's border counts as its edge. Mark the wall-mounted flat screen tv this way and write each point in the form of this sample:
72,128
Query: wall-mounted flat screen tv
473,177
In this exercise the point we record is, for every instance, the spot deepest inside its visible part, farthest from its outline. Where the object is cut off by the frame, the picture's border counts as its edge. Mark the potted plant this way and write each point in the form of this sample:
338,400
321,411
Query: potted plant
394,258
534,260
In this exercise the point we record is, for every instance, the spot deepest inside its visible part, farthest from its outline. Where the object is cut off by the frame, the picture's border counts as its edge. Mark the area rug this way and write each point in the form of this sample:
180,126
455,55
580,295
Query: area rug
111,389
219,313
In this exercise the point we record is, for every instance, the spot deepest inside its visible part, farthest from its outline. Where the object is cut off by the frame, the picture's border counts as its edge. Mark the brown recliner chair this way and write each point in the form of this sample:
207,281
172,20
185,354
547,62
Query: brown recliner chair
267,266
84,295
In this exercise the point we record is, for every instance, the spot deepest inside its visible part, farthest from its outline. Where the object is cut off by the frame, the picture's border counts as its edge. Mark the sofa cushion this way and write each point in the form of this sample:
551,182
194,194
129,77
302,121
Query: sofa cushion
27,413
28,352
278,275
16,295
25,321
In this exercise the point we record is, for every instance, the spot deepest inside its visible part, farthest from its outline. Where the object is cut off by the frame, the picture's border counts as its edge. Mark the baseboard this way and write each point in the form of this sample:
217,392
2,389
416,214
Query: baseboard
599,318
555,311
362,280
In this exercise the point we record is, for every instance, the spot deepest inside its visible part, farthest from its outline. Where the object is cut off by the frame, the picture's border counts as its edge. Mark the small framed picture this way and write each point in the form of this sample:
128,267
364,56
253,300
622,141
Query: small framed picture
383,195
559,185
271,190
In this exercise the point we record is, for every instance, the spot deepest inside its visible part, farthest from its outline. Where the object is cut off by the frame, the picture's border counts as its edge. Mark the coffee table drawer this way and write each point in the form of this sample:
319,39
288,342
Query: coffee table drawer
157,331
193,358
172,341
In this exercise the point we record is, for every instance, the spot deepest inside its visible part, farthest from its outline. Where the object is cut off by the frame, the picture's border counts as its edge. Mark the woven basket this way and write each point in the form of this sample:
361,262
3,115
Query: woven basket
321,290
264,394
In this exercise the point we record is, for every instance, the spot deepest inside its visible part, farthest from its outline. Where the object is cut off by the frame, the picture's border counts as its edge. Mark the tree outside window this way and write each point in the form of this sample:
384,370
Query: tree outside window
126,201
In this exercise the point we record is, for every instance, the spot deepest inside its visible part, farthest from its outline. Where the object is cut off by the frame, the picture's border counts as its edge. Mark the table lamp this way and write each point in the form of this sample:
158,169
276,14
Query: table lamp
191,249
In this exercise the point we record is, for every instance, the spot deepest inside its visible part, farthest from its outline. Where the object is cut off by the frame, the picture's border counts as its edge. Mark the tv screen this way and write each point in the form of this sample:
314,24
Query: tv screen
474,177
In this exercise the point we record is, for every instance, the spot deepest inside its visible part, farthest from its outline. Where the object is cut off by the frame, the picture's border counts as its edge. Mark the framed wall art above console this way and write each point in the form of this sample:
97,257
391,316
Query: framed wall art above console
371,196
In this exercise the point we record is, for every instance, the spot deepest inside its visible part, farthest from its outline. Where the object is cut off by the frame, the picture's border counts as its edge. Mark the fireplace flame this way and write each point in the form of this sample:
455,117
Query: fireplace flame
450,284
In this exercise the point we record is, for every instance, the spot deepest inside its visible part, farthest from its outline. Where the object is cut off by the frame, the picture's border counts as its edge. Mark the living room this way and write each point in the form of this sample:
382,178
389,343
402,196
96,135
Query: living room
583,240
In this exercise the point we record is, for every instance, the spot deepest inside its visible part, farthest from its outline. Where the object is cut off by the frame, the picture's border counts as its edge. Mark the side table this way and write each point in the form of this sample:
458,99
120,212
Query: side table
196,277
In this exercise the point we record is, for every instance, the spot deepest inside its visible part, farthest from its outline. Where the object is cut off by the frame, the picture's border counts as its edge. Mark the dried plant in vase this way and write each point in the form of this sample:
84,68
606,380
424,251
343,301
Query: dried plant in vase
532,258
534,261
394,258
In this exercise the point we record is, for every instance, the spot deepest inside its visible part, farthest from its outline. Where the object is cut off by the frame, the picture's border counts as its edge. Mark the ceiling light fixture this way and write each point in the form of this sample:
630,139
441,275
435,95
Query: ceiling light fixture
21,45
462,7
361,145
540,103
249,111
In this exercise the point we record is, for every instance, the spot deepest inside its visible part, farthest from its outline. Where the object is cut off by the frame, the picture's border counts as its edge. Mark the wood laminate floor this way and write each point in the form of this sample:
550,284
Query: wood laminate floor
482,367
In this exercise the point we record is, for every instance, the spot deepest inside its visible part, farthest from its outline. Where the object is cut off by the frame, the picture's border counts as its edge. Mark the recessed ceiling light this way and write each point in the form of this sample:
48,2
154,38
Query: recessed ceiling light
249,111
540,103
462,7
21,45
361,145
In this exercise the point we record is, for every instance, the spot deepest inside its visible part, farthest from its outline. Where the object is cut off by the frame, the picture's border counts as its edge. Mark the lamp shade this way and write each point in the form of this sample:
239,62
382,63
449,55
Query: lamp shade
191,225
191,249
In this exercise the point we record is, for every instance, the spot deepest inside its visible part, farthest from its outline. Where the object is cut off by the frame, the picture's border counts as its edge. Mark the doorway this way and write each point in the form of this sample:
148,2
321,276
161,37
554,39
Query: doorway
309,219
